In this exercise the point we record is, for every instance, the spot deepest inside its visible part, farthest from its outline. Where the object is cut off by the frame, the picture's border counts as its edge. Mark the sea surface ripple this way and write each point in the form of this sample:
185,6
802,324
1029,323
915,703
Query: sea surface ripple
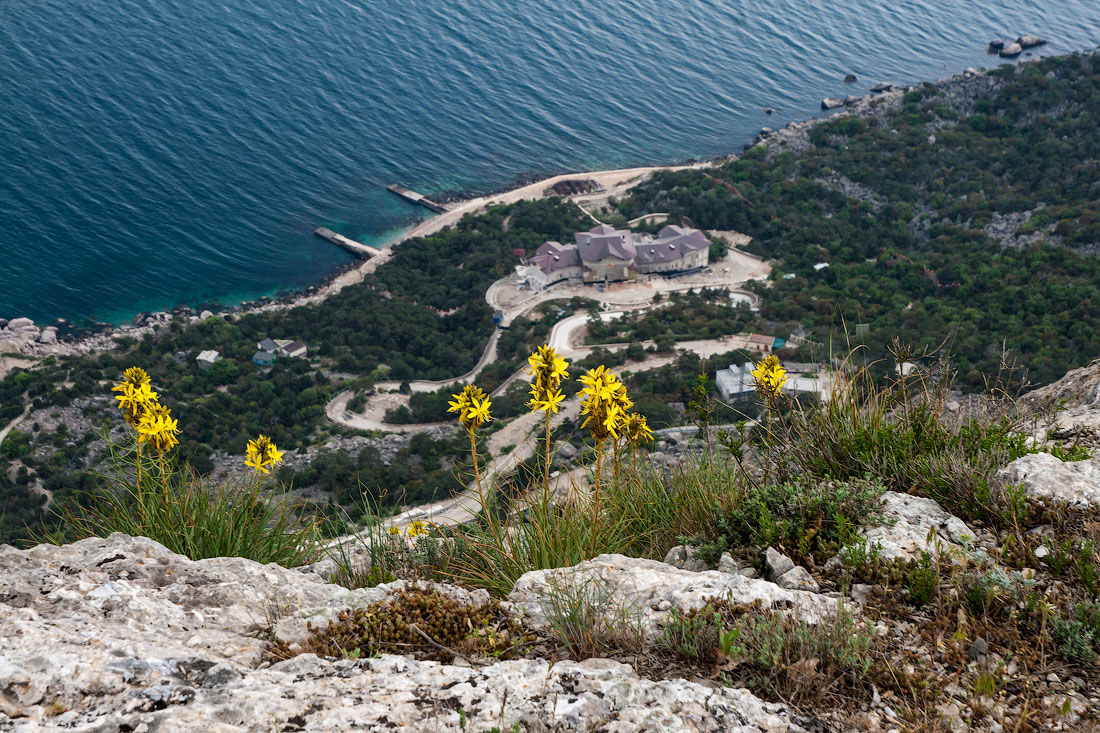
163,152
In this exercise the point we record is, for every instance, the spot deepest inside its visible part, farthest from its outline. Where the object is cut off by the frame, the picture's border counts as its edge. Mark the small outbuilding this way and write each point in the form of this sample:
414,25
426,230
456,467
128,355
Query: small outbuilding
263,358
292,349
267,345
206,359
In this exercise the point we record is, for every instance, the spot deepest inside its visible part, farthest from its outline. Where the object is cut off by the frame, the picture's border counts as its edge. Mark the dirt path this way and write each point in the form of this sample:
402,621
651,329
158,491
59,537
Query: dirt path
11,426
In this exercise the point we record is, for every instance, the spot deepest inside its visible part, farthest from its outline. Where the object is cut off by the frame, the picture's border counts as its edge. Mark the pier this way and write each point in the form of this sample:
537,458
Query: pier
416,198
357,248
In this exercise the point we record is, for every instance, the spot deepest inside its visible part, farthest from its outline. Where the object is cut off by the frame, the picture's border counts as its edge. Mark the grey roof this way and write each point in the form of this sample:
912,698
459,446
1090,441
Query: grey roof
552,257
603,241
267,345
294,346
673,243
262,355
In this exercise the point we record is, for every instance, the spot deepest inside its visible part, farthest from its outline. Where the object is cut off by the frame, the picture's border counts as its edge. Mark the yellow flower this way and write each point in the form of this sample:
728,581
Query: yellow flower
770,376
548,370
547,402
262,454
604,401
158,428
637,429
393,530
472,406
136,395
417,528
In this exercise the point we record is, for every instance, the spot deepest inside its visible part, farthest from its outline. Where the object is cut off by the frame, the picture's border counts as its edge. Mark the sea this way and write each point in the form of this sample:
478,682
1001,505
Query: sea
156,153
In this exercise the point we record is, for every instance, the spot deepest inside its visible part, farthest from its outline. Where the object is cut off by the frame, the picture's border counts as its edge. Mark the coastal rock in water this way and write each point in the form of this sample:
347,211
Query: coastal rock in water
907,522
1044,476
831,103
850,79
204,315
1011,50
645,590
3,323
1030,41
881,87
769,110
17,324
852,99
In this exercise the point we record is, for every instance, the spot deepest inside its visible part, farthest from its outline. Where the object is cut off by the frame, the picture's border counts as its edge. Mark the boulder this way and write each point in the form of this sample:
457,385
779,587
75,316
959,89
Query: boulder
769,110
852,99
683,557
566,451
996,45
1044,476
908,522
1030,41
646,590
831,103
3,323
850,79
28,333
798,578
16,324
48,335
1011,50
121,634
881,87
776,563
204,315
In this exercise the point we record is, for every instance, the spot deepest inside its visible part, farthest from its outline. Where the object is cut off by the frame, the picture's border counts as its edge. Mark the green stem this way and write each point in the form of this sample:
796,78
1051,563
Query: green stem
480,491
546,491
596,496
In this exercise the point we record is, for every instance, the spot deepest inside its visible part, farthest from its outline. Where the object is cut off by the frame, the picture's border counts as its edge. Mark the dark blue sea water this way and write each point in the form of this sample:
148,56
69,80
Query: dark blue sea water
157,152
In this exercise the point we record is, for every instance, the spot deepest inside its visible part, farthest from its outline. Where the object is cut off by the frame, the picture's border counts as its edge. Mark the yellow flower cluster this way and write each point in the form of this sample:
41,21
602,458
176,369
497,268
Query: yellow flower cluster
769,376
152,421
547,370
414,530
636,429
472,406
262,454
605,402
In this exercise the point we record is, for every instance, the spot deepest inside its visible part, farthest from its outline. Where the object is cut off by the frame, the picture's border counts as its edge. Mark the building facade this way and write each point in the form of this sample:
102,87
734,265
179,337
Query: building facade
604,254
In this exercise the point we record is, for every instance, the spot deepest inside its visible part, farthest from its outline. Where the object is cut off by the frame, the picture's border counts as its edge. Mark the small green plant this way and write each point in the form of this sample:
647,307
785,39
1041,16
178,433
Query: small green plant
413,621
1076,639
922,582
589,620
698,635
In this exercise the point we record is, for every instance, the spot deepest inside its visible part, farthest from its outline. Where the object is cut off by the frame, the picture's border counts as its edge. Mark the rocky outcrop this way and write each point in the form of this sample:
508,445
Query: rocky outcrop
908,521
121,634
1030,41
1010,50
1045,477
646,590
831,103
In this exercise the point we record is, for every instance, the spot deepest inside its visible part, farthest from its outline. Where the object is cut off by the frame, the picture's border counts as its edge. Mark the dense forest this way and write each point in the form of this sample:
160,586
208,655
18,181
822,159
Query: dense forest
963,219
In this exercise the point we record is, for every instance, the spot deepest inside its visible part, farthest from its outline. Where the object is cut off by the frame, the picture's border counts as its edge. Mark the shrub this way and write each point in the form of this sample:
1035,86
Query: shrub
422,622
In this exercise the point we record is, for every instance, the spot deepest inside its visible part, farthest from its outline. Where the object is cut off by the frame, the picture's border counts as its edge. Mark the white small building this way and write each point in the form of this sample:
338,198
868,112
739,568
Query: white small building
206,359
292,349
737,380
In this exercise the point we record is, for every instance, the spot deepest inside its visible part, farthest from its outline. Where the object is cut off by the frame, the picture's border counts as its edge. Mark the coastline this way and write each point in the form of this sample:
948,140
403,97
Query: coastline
614,182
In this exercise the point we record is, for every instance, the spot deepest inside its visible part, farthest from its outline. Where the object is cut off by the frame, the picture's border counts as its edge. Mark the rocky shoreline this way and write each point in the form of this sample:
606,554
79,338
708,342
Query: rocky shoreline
22,336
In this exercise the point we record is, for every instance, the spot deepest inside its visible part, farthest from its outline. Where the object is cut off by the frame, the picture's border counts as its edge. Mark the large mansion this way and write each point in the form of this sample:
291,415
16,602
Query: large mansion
604,254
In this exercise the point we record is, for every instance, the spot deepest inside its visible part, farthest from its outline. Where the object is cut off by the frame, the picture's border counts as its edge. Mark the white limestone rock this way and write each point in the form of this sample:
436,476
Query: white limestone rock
16,324
776,563
831,103
903,535
120,633
683,557
798,578
48,335
646,590
1044,476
